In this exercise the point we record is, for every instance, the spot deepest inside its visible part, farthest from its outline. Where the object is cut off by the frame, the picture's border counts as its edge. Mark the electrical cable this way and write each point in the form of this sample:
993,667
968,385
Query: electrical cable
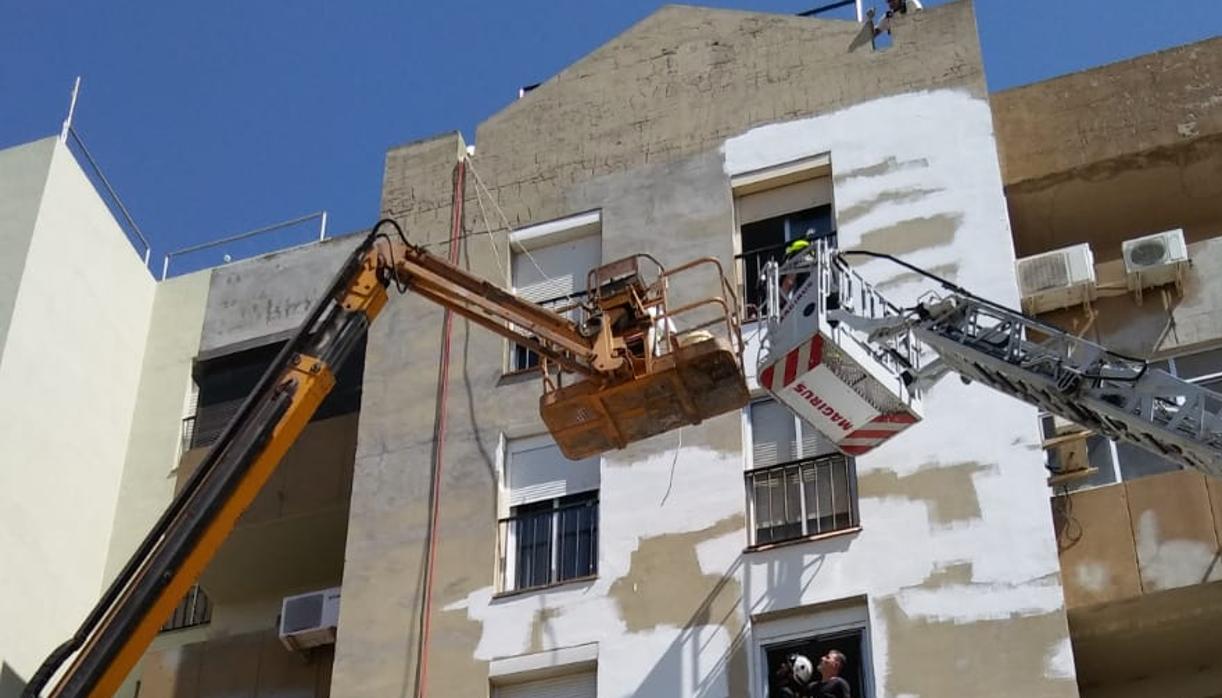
439,440
1040,324
479,184
496,252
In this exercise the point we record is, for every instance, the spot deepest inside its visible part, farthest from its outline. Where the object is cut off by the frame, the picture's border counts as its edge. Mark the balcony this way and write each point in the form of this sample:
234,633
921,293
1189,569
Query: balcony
1142,573
292,536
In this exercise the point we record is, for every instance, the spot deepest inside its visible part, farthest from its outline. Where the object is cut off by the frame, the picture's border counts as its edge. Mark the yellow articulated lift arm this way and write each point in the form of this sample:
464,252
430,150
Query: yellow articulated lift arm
636,367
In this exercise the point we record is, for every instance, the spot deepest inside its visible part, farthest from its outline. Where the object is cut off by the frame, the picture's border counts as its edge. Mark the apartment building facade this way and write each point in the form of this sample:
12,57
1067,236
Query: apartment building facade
694,562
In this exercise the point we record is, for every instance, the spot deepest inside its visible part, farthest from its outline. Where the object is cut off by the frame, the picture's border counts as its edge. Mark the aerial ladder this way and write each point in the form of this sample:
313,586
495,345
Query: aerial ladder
854,365
620,364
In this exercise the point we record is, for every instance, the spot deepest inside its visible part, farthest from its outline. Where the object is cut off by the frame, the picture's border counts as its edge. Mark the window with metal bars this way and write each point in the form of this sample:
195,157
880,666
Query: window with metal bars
552,541
550,534
799,486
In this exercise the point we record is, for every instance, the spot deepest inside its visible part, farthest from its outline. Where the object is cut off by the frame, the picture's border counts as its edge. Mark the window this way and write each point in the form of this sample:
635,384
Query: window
773,210
844,628
798,485
551,532
223,383
1118,462
847,642
549,266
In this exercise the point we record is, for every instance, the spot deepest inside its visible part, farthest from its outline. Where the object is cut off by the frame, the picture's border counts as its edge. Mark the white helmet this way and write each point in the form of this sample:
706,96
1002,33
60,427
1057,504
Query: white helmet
802,669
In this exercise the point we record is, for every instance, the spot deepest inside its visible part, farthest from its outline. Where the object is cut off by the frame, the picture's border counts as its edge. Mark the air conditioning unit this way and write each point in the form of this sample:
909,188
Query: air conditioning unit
1057,279
1155,260
309,620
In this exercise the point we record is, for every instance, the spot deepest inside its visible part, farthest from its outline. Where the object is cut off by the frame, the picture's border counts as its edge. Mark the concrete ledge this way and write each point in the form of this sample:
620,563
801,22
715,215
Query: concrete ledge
529,667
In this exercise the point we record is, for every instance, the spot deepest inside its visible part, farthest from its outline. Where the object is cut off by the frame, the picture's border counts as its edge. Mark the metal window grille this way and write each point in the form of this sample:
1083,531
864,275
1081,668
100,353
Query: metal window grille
549,542
802,498
767,239
194,609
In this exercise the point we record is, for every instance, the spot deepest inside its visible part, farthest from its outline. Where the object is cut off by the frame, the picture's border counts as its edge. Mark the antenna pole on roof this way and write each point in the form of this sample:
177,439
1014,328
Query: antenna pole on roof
76,89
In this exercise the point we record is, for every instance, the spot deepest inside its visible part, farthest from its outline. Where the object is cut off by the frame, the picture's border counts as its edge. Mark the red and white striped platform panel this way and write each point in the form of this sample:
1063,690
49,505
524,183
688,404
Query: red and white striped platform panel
798,361
875,432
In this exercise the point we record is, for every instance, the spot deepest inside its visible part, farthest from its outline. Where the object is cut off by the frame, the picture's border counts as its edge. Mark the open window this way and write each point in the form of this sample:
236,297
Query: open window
774,207
842,626
549,263
549,533
222,384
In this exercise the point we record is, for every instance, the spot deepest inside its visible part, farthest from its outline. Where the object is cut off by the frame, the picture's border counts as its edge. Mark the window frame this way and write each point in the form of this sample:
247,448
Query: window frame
751,469
793,625
774,178
517,359
507,513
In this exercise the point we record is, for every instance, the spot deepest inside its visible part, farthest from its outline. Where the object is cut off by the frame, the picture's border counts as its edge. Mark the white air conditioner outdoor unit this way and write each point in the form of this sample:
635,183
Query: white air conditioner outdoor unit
309,620
1057,279
1155,260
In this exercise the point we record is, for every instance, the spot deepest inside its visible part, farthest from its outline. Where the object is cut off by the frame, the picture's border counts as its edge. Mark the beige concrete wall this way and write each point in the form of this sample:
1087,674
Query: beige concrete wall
23,172
69,381
252,665
1138,537
1154,101
648,129
1115,152
149,476
1166,321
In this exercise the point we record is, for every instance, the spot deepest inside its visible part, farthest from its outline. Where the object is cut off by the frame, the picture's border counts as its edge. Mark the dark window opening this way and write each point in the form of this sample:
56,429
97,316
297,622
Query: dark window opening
848,642
554,540
523,358
767,239
226,381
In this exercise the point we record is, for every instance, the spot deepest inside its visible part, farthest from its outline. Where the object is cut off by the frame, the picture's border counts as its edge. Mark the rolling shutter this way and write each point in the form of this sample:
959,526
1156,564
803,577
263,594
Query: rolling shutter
557,271
536,470
583,685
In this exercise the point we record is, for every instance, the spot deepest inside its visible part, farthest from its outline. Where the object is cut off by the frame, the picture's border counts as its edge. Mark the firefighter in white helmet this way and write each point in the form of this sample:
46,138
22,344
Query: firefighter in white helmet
797,677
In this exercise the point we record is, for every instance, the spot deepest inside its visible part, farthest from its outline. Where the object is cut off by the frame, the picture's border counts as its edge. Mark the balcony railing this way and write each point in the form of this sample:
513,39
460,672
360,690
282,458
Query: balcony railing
194,609
547,546
802,499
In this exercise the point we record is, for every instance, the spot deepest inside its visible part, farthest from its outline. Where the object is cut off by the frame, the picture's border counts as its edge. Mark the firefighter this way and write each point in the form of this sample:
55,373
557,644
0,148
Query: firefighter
796,677
792,280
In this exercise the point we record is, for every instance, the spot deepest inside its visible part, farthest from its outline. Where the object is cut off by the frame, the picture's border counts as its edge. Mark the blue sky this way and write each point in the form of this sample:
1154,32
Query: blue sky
214,118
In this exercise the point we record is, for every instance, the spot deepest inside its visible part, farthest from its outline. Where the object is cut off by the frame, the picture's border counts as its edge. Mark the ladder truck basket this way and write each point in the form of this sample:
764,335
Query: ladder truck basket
854,392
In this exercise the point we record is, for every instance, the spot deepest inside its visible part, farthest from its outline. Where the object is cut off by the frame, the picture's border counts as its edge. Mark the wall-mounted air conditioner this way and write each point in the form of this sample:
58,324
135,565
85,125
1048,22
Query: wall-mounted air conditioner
309,620
1155,260
1057,279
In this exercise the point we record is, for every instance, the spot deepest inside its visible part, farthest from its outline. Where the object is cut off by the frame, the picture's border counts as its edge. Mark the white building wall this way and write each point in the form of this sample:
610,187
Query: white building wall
68,381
